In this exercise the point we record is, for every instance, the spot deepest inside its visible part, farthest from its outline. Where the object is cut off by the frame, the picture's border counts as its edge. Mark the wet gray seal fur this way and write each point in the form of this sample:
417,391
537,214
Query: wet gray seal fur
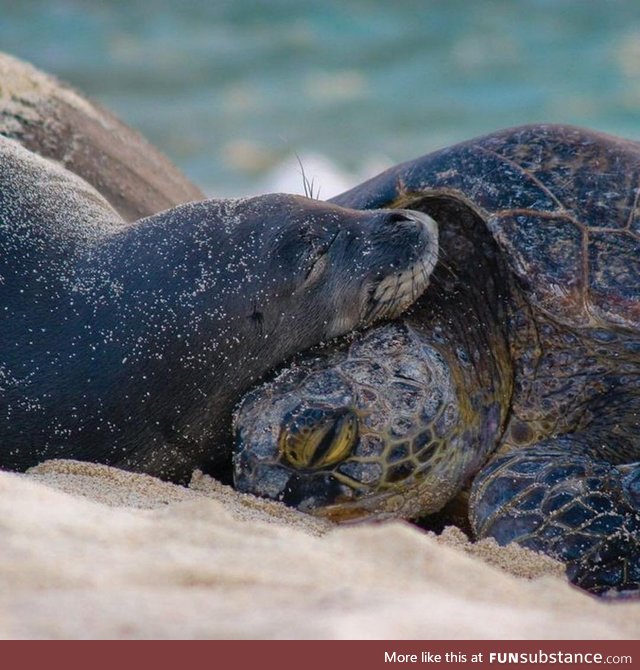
128,344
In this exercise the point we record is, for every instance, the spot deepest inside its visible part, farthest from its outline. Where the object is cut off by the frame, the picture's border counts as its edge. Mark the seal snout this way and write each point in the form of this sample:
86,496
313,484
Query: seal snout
416,231
410,240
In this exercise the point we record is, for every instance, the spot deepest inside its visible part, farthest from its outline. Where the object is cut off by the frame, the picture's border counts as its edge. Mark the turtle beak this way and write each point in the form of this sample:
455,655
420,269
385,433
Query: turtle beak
309,494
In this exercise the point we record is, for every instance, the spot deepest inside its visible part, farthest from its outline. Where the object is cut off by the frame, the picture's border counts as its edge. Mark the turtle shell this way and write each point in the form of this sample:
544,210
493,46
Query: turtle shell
561,202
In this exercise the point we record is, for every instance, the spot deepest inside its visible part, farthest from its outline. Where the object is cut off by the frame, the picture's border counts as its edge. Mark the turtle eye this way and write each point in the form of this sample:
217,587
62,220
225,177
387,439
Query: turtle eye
315,438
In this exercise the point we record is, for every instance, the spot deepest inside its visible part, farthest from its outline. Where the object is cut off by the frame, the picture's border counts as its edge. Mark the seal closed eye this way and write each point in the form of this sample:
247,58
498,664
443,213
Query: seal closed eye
129,344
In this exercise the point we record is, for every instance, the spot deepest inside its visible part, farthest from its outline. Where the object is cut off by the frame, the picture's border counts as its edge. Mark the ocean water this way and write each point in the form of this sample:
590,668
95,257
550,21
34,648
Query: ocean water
234,90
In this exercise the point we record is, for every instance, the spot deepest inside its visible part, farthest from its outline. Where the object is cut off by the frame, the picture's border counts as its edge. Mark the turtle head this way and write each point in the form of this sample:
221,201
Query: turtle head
375,429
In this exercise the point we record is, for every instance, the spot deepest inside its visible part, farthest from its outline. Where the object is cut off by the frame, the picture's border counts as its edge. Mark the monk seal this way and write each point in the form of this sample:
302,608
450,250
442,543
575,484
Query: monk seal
129,344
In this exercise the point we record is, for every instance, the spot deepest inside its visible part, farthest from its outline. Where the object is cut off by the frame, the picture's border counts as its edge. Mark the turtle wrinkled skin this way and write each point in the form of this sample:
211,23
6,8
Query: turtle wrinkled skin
515,377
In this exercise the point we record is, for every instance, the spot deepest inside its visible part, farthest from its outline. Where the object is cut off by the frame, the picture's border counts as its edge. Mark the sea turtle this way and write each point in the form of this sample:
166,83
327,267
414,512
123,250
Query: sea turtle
517,372
130,343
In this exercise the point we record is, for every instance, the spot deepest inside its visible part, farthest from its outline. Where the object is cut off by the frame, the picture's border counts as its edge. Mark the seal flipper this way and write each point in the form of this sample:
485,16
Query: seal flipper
558,498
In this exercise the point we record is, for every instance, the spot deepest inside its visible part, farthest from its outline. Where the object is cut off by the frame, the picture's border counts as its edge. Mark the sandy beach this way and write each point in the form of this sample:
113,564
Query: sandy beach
88,551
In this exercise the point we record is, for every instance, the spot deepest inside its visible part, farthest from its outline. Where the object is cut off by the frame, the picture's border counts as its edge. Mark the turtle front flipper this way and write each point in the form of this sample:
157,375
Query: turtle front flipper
556,498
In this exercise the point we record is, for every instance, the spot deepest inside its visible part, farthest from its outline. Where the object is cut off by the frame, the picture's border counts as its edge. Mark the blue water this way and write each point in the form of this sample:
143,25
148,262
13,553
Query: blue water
232,89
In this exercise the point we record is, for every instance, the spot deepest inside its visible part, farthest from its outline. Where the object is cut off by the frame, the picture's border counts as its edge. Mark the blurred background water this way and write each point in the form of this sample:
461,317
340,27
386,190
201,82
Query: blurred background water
232,90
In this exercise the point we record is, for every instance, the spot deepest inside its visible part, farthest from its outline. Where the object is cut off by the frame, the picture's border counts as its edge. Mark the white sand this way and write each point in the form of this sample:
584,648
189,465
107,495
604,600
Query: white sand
92,552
